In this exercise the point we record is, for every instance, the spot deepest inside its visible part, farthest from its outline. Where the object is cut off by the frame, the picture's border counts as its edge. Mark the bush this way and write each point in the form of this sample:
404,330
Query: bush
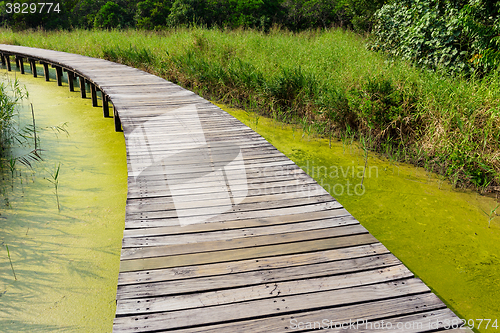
454,36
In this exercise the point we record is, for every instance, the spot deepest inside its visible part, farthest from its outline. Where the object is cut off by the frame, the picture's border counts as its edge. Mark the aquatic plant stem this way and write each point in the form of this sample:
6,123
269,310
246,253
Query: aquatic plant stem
55,181
34,128
11,266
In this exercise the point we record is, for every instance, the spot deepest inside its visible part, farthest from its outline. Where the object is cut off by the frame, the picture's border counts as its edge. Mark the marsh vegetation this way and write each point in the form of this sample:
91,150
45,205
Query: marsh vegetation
325,80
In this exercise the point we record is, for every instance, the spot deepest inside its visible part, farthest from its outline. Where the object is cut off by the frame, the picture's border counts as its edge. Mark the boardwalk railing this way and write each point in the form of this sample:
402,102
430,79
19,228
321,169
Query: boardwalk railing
224,233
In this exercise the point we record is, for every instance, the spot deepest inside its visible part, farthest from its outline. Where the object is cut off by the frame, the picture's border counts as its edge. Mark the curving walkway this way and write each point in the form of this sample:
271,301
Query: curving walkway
223,233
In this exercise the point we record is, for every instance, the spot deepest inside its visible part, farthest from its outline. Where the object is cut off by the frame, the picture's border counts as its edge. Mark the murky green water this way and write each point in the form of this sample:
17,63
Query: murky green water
439,233
66,262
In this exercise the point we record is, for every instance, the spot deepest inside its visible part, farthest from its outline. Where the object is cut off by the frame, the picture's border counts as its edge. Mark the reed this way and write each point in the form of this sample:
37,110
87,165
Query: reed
10,260
54,180
491,215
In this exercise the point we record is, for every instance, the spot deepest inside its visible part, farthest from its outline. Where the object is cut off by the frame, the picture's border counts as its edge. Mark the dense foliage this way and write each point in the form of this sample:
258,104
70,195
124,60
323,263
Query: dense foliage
459,36
161,14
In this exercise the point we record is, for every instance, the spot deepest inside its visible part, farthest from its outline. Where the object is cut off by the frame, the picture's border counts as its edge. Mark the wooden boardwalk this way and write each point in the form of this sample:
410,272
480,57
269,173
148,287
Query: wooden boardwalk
224,233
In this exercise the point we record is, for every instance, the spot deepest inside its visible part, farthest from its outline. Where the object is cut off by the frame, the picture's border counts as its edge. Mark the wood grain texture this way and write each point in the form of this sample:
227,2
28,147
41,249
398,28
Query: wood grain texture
223,233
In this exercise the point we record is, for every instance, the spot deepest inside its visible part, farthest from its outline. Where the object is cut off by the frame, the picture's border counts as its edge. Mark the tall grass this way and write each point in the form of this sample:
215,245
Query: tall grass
328,79
15,137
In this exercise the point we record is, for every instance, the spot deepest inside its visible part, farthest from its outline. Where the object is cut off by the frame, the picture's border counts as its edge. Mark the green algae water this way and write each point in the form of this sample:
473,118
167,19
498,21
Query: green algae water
66,262
439,233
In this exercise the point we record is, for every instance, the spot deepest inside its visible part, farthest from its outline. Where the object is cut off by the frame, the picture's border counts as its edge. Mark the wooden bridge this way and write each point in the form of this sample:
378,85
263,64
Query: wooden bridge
224,233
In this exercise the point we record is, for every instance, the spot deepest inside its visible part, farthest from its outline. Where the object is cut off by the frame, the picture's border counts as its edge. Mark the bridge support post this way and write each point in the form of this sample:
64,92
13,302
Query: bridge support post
33,67
59,75
46,72
71,80
3,60
105,105
7,59
118,123
20,64
83,92
94,94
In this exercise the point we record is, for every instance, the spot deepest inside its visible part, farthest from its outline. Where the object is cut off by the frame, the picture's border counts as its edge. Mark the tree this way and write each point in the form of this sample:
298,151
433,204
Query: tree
152,14
185,12
84,12
109,16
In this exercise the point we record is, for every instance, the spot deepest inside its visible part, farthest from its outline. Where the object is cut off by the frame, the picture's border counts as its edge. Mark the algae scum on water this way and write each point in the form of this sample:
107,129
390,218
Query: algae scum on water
66,259
441,234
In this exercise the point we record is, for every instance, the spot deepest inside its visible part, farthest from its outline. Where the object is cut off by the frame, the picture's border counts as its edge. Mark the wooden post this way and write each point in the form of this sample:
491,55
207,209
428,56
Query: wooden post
7,58
33,67
71,80
3,60
83,92
94,94
118,123
21,65
46,72
59,74
17,62
105,105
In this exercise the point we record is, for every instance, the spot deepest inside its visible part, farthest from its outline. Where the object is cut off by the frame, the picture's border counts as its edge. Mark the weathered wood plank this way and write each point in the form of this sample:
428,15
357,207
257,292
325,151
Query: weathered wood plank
264,263
262,276
145,222
331,215
259,291
329,318
251,209
157,240
237,243
276,306
245,253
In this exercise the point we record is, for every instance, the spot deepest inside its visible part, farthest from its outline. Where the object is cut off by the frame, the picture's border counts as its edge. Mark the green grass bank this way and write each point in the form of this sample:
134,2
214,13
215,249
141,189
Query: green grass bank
326,81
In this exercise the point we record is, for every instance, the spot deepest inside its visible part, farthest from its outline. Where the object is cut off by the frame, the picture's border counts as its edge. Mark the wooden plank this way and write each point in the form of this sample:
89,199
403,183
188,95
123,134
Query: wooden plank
264,276
266,201
267,263
261,209
259,291
428,321
259,308
238,243
329,318
142,190
335,216
145,222
276,191
267,174
161,240
245,253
